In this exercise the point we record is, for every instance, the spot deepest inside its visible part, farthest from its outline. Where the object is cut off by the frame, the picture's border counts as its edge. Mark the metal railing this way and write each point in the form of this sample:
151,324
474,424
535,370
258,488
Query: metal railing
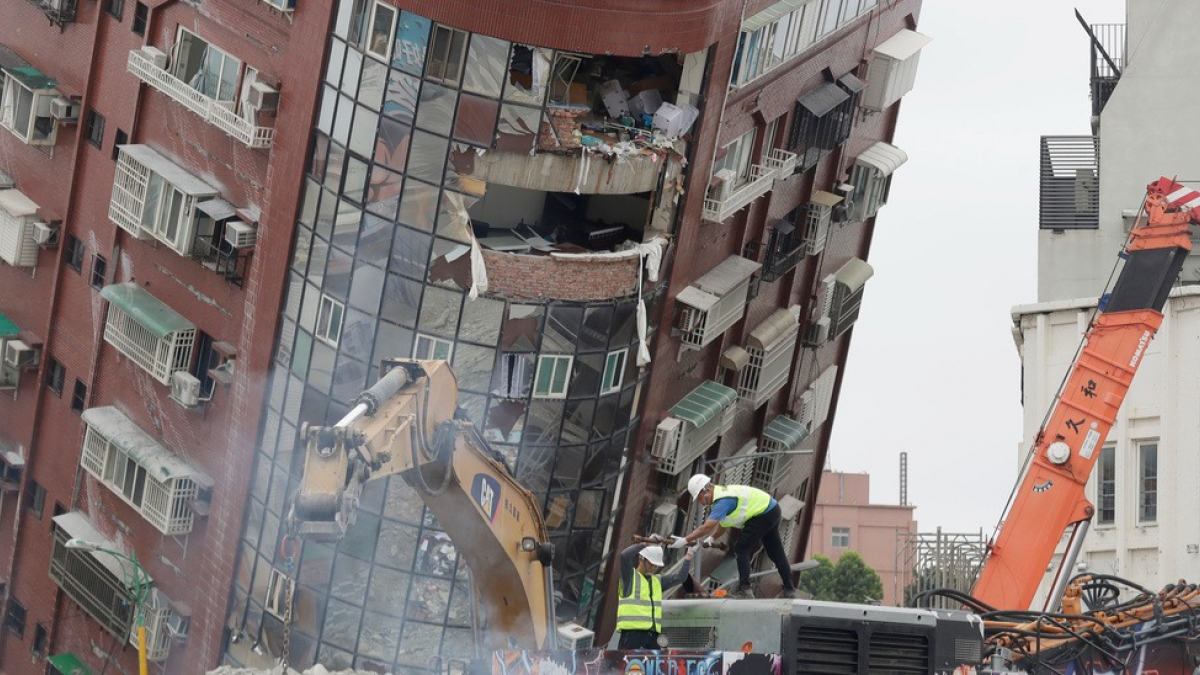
230,263
217,113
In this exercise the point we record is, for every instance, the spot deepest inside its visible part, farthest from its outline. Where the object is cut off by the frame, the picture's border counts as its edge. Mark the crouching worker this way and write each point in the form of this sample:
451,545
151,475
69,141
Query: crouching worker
639,611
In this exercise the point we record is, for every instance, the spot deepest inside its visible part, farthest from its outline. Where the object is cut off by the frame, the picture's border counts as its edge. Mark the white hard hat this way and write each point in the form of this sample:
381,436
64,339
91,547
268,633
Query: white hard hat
697,483
654,554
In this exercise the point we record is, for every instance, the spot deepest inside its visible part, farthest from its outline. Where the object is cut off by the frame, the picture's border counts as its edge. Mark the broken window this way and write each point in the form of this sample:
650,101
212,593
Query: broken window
205,68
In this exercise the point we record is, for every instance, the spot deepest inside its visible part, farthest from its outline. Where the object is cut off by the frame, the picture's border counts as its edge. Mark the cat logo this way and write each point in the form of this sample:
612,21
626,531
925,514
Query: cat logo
1044,486
486,491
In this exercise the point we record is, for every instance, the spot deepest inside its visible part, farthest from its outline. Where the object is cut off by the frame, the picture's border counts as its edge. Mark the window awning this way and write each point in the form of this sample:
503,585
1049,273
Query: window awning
783,227
903,44
773,329
851,83
124,433
217,209
170,171
8,329
882,157
785,431
824,98
723,278
789,507
16,204
704,403
77,526
854,274
31,78
69,664
735,358
146,309
772,13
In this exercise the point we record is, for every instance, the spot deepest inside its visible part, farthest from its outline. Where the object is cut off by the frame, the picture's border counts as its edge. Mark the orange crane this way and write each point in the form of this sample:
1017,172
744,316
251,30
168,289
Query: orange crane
1050,499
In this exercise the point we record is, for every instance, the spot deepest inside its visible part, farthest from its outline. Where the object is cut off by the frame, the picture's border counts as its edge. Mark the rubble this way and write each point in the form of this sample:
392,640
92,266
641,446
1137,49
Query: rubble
277,670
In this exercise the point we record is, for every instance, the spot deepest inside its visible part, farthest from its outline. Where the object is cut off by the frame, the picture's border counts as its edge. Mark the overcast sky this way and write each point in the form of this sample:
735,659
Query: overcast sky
933,369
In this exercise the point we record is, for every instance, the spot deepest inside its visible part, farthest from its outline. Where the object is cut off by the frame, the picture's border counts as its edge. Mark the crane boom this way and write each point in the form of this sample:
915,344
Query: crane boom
405,425
1050,498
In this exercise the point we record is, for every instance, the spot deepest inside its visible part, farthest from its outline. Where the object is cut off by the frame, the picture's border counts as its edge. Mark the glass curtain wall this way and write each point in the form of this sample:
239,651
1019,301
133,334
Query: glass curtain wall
404,105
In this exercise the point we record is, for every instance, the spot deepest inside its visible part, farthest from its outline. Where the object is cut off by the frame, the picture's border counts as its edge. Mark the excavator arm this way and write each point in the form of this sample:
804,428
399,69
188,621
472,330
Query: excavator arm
1050,499
406,425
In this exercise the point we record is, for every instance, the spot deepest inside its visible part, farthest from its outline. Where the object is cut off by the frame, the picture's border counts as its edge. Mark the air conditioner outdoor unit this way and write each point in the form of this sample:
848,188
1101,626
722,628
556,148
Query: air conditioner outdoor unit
157,56
185,388
18,354
666,441
662,522
262,96
64,109
283,5
818,332
687,319
725,179
44,234
574,637
240,234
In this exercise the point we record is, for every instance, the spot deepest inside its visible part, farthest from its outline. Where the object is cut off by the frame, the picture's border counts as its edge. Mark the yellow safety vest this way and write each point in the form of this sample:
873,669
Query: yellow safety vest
750,502
641,609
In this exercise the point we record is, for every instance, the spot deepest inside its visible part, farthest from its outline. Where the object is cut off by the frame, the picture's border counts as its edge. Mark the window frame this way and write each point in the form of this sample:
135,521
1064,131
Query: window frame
99,271
56,375
739,156
94,128
79,396
330,310
74,252
1147,513
443,61
426,347
371,35
35,498
613,377
223,91
839,534
1106,487
115,8
141,18
558,376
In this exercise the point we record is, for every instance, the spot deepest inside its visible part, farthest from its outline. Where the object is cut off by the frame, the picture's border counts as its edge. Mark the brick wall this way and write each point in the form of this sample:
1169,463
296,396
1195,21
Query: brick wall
533,277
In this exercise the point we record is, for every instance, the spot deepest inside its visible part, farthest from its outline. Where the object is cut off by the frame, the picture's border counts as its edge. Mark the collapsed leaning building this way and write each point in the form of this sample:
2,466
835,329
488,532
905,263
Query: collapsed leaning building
217,217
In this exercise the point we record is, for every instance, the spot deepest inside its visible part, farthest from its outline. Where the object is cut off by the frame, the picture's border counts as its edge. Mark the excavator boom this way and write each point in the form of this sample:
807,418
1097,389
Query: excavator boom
405,425
1050,498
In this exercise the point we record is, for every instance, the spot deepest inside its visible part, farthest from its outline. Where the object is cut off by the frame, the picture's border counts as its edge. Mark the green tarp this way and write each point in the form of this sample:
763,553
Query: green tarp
69,664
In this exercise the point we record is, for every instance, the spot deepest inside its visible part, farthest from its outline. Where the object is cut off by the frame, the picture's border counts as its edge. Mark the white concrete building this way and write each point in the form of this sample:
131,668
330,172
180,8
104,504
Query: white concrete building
1146,486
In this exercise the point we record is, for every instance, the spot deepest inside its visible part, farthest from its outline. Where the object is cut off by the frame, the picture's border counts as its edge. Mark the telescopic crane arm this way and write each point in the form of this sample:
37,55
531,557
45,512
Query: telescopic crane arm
1050,498
406,425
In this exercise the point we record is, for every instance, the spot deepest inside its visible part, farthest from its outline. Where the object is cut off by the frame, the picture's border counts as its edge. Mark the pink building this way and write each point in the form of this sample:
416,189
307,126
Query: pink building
844,519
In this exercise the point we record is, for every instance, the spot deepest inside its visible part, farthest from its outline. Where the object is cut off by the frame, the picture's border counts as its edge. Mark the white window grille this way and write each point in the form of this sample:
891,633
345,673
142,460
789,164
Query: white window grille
553,376
714,302
152,335
150,478
25,110
429,347
787,29
772,471
841,537
614,371
818,216
893,69
871,177
159,618
816,400
329,320
153,198
770,346
18,220
840,300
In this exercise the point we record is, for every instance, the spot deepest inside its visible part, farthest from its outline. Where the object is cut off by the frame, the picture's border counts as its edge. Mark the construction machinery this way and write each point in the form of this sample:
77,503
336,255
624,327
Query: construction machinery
406,425
1050,501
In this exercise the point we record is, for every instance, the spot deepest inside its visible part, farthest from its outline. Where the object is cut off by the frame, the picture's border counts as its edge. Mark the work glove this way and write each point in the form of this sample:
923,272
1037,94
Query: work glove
708,541
677,542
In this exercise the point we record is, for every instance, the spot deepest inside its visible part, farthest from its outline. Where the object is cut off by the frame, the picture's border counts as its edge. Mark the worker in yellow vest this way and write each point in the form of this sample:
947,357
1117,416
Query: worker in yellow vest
755,513
639,608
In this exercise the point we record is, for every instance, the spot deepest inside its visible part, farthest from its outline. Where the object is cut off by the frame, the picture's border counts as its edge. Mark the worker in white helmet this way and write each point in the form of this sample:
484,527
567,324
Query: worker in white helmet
749,509
639,607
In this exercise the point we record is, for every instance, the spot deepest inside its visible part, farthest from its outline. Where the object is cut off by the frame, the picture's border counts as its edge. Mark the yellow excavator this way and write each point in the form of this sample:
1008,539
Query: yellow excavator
406,425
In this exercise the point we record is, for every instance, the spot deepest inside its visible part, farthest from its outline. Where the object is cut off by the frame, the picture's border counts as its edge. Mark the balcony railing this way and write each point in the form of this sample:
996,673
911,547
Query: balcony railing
777,165
58,11
217,113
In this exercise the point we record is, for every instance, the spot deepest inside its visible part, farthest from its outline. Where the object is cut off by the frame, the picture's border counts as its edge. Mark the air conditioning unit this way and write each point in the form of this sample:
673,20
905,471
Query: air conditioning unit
262,96
724,180
818,332
666,439
44,234
240,234
282,5
688,318
64,109
185,388
157,56
19,355
572,636
662,522
178,625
